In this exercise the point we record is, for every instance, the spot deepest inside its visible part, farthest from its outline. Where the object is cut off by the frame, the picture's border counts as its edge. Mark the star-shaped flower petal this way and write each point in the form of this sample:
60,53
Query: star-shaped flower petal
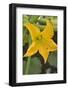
41,41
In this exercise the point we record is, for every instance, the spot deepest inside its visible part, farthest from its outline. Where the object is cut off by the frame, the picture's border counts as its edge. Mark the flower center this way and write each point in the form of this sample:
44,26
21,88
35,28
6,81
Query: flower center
39,38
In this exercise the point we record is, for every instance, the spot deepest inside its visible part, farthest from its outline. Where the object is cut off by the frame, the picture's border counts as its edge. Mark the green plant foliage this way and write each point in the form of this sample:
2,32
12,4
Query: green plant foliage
25,36
42,20
54,21
33,19
25,19
34,67
52,59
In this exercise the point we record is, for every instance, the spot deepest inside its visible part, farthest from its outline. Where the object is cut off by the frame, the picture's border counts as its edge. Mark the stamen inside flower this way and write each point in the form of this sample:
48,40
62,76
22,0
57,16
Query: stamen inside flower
39,38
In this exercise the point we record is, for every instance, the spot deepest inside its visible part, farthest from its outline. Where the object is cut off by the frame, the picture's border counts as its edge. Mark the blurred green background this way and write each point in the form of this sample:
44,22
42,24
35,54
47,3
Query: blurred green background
35,64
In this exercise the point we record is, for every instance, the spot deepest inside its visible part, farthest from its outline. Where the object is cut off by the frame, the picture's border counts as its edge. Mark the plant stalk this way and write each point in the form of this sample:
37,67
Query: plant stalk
28,60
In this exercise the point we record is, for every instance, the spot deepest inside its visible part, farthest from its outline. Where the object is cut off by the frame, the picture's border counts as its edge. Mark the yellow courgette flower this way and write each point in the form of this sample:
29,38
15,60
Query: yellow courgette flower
41,40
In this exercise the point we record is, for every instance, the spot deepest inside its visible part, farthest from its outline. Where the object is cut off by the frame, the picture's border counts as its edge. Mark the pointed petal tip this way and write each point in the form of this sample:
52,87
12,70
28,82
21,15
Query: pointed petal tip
45,61
25,55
